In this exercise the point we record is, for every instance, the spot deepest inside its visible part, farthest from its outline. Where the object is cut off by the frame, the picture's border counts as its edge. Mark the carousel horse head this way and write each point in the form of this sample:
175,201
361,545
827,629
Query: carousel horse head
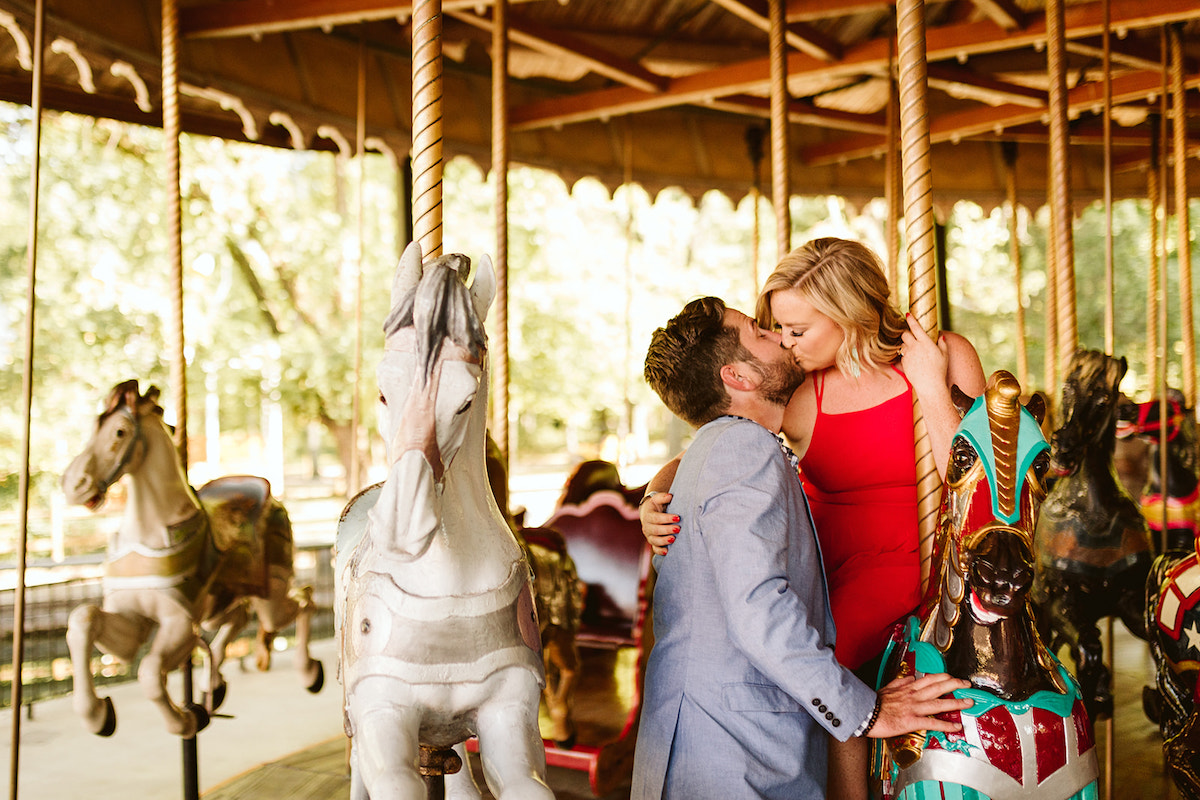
995,485
1090,400
430,373
977,623
119,445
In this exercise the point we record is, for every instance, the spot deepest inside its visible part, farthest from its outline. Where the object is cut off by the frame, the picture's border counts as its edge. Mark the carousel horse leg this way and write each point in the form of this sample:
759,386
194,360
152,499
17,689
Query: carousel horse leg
282,608
461,785
172,646
514,758
228,626
1131,600
87,626
562,673
1063,621
386,747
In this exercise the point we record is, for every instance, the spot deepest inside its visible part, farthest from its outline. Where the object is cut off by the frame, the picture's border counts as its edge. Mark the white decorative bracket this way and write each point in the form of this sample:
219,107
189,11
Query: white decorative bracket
335,135
376,143
285,121
67,48
24,53
123,69
227,102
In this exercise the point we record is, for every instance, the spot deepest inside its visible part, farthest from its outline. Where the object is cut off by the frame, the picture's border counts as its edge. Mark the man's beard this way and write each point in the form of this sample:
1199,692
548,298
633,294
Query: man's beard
781,378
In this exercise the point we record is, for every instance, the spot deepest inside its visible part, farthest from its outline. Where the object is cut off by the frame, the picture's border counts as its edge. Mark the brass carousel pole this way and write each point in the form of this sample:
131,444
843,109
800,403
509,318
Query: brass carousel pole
1109,340
427,126
499,357
780,157
171,131
919,236
18,657
1153,343
1060,182
891,176
1161,222
360,147
1009,150
1182,218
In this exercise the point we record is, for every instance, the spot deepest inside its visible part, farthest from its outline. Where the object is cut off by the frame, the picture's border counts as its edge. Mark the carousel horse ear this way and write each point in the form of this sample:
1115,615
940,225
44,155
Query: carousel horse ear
408,272
962,401
483,287
1037,407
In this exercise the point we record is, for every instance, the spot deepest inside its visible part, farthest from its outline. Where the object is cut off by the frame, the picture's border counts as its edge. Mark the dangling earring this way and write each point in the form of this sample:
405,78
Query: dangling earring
855,366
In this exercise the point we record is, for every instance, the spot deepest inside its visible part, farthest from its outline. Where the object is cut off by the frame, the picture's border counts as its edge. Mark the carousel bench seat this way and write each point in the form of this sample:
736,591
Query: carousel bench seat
604,538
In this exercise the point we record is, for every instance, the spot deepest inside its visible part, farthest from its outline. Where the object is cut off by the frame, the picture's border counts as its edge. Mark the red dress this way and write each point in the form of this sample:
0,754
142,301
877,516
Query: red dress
860,475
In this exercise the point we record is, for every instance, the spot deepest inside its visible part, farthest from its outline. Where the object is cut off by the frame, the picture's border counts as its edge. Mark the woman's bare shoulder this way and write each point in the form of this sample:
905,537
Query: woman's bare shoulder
963,365
799,415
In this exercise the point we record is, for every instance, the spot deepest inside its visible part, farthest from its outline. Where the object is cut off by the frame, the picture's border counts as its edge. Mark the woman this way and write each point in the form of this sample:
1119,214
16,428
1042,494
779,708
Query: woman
851,425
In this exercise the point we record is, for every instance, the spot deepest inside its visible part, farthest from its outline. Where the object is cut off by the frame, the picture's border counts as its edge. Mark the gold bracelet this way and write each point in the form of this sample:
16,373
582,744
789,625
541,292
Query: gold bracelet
646,497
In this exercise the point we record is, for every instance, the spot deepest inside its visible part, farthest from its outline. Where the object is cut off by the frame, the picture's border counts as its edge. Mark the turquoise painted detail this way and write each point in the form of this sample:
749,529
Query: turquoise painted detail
976,428
929,661
933,790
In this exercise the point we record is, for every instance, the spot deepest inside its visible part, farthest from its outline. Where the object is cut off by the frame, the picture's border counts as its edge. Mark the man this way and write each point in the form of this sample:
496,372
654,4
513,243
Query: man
742,676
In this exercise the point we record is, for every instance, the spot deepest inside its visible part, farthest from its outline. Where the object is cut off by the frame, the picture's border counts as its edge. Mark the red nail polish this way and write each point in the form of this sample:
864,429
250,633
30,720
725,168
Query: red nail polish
675,529
671,540
674,519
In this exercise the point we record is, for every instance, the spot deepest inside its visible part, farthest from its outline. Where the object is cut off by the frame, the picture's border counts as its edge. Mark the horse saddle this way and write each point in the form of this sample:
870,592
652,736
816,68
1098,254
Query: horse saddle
240,511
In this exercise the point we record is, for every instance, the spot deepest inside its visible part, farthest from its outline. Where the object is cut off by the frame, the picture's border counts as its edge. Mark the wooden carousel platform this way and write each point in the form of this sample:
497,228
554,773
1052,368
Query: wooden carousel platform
319,772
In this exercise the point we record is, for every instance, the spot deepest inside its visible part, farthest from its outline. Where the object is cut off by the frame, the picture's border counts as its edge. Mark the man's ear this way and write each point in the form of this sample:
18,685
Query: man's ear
739,376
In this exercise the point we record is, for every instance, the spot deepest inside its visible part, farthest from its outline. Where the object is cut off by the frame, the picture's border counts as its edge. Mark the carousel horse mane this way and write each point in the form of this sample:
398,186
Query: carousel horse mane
438,309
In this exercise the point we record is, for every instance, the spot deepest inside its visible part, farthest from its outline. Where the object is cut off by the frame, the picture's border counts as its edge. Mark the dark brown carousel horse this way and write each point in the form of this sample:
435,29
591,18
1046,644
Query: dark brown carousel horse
1173,588
1027,734
1092,545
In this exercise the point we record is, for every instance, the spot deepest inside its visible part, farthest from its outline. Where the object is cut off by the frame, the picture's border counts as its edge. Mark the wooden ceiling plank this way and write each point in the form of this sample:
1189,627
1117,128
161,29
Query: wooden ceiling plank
812,10
966,124
254,17
1004,13
800,36
524,32
948,78
871,57
802,113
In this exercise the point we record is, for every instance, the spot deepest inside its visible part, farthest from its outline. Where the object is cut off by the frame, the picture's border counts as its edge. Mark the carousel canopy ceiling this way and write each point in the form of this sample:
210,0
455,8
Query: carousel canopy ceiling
663,92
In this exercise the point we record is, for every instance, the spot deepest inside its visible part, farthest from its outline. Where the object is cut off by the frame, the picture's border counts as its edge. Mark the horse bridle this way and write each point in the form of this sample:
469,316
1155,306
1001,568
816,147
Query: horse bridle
127,454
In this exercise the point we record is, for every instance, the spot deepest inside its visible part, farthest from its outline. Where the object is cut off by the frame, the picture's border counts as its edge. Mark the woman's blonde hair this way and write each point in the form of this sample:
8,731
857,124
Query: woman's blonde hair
843,280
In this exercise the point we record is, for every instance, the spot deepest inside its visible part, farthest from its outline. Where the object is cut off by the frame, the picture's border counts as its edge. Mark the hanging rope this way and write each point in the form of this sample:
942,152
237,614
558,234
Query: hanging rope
919,234
781,179
1060,182
498,357
427,125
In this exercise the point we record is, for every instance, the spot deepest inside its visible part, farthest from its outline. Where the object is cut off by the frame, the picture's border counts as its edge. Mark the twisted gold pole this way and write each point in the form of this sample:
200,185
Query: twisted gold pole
1153,276
1183,247
919,230
1014,249
781,178
427,125
499,349
1060,181
891,177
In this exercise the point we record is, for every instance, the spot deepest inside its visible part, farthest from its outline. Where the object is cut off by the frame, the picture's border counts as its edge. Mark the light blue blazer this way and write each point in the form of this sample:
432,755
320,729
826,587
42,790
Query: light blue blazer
742,685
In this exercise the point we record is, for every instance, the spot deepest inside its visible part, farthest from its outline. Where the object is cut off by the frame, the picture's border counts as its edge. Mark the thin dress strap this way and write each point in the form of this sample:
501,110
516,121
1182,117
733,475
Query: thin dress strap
819,388
896,369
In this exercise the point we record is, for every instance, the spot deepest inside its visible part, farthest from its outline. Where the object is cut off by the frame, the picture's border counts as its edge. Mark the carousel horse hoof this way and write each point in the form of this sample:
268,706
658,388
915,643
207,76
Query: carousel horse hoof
110,719
1152,704
318,681
213,700
567,743
202,716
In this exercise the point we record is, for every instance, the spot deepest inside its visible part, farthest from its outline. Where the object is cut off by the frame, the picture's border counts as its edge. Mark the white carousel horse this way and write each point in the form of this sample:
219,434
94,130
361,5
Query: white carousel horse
178,560
439,638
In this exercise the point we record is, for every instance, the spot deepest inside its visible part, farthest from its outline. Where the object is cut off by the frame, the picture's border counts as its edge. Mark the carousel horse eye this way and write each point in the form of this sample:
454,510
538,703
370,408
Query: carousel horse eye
962,458
382,399
366,626
465,407
1041,465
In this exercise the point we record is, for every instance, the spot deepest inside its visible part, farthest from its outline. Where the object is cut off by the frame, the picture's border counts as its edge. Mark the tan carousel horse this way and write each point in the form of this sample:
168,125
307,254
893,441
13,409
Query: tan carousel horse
179,560
435,608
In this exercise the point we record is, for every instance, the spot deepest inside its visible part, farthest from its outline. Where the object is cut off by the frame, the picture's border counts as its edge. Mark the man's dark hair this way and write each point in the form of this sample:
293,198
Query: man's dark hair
683,364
